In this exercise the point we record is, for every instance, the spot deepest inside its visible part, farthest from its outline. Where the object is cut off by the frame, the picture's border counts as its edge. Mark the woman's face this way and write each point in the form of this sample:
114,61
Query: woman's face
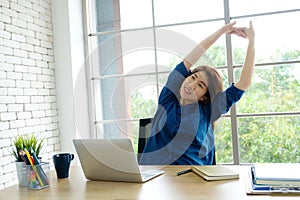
193,88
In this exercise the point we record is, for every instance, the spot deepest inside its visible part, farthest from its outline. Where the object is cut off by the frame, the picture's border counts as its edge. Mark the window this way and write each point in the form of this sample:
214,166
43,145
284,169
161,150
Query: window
132,47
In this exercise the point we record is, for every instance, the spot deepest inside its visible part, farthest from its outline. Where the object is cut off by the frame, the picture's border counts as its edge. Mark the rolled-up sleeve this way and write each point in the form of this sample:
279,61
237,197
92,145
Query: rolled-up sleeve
223,102
175,79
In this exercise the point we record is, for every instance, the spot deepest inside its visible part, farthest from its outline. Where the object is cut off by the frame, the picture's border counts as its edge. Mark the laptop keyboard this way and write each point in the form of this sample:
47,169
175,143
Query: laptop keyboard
148,175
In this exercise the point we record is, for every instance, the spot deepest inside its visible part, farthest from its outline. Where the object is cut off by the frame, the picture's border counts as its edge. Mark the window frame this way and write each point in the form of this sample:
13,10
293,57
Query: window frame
233,115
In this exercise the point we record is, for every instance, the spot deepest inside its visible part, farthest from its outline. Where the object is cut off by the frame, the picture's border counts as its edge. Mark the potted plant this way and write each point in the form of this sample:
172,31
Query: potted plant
29,143
25,143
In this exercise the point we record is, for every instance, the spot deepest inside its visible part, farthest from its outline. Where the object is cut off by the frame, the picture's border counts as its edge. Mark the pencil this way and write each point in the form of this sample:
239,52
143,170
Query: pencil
34,168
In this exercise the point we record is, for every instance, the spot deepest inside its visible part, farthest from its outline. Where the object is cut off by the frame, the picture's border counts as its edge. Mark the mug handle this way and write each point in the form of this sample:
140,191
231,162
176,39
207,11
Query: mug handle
72,156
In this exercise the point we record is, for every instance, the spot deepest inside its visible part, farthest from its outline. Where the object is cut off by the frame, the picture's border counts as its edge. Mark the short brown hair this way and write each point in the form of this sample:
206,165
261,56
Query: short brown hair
215,82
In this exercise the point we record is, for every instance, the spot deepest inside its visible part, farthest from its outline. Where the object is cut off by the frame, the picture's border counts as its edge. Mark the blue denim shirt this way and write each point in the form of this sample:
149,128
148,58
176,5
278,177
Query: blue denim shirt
183,135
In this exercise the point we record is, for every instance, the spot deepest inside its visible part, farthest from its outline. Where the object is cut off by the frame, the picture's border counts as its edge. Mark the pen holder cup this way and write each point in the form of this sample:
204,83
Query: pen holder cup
37,176
22,173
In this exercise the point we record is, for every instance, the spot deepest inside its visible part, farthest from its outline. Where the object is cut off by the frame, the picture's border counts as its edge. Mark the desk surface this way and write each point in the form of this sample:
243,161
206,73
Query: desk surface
168,186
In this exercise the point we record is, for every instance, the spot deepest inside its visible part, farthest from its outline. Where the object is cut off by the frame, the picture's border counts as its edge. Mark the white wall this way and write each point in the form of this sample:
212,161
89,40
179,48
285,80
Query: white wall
42,77
28,103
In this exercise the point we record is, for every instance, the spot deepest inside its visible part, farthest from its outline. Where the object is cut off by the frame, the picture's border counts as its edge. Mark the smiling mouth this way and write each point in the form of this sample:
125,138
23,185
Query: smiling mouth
187,90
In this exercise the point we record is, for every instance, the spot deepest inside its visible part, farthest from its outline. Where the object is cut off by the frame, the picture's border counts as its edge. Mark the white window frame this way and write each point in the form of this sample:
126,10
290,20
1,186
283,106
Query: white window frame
90,32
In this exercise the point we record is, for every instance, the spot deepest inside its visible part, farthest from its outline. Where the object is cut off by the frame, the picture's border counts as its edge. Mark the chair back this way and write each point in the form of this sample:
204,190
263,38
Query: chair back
145,125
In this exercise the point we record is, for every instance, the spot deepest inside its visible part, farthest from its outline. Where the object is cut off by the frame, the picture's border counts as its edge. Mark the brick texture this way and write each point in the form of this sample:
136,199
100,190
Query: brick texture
27,80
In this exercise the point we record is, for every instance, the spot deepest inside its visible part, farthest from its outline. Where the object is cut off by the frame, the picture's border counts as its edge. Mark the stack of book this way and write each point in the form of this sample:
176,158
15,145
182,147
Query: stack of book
275,178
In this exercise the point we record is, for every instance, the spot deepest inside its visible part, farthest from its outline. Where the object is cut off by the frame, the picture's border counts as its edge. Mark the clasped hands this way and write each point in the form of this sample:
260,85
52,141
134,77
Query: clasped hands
245,32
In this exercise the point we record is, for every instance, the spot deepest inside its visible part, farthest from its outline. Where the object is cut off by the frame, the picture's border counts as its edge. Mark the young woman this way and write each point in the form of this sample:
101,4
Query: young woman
191,102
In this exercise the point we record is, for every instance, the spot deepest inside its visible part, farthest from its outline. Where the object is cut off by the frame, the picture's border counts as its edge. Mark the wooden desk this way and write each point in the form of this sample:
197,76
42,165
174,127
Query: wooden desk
167,187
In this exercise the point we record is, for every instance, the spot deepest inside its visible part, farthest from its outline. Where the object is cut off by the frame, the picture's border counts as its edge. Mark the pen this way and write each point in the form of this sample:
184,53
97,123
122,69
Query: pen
184,172
284,190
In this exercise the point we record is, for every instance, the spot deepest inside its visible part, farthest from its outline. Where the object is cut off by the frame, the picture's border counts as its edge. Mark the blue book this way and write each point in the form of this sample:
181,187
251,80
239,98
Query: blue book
253,188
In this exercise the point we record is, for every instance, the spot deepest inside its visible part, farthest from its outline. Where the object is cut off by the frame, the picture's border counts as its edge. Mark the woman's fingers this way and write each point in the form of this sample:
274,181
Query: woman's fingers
239,33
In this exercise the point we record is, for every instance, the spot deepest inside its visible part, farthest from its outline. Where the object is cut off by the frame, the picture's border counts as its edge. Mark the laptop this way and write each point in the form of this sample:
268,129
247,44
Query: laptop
111,160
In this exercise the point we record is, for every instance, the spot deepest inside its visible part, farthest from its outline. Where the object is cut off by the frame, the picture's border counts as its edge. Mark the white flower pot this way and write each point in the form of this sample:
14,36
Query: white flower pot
21,172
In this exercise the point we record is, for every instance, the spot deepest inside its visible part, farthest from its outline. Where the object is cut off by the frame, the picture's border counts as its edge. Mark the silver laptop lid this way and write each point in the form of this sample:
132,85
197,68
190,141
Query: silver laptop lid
104,159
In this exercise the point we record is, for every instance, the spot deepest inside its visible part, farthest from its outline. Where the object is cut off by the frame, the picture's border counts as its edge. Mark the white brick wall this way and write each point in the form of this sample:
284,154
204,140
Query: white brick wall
27,82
